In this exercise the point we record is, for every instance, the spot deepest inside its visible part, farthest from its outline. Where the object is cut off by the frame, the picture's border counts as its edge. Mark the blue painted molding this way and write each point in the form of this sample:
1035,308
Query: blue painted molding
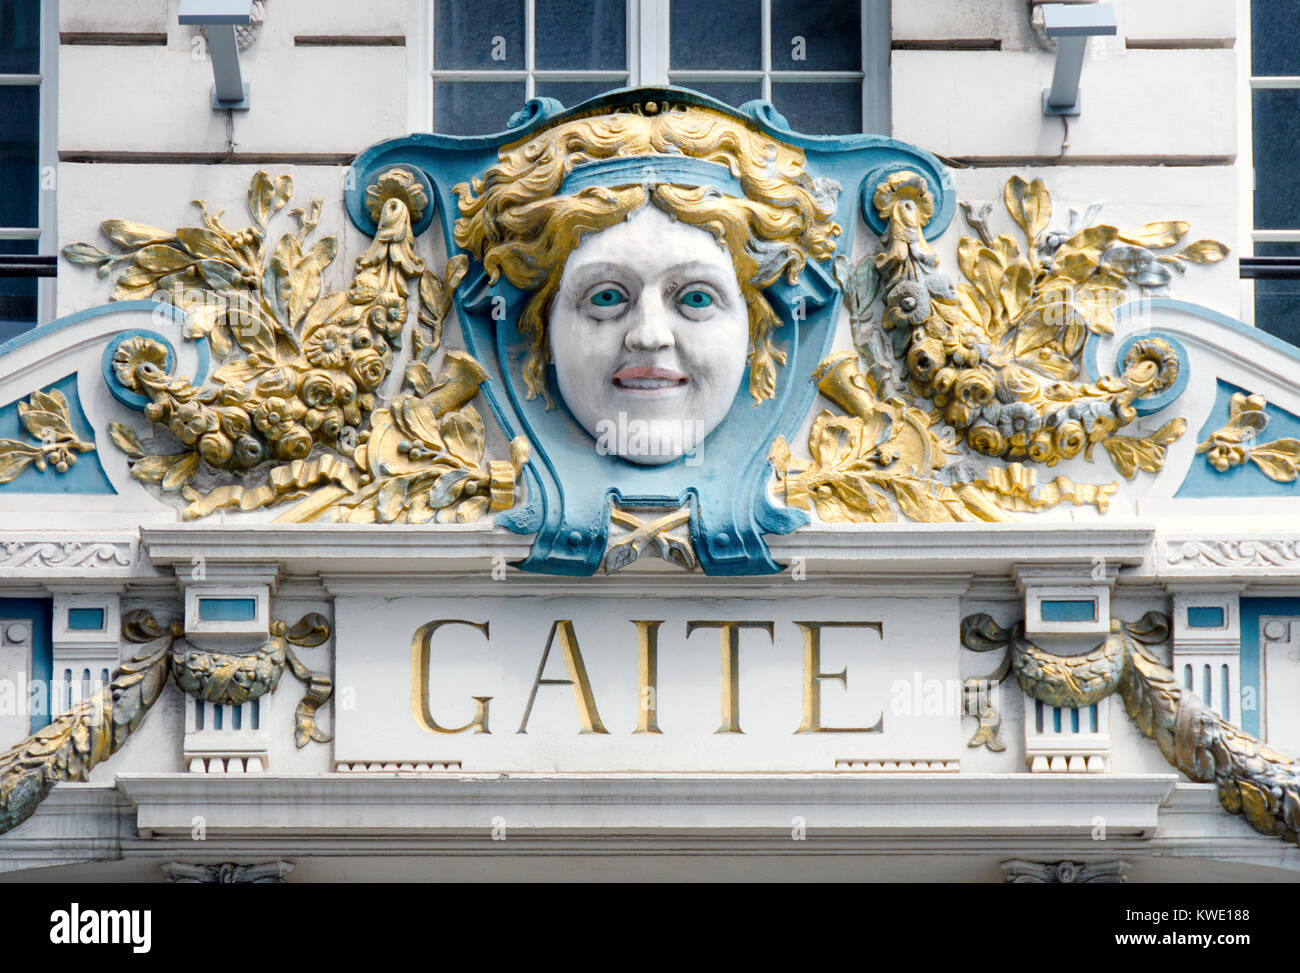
1251,660
38,613
1246,480
84,476
571,487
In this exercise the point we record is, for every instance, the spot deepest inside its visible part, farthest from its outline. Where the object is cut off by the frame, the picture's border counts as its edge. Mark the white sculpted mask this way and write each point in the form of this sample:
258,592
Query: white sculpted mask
650,336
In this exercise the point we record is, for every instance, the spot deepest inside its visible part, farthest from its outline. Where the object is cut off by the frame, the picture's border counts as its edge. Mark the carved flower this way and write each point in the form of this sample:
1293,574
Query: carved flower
317,389
904,187
396,184
248,452
276,416
908,303
987,439
1224,455
924,358
1041,448
135,354
962,344
294,443
195,420
1069,439
368,369
329,347
216,448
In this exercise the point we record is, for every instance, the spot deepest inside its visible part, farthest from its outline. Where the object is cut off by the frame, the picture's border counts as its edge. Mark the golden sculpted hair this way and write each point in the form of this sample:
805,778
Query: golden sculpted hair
514,221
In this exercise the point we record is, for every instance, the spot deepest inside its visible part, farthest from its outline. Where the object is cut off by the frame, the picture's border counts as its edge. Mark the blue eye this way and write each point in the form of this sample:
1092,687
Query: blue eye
609,297
697,299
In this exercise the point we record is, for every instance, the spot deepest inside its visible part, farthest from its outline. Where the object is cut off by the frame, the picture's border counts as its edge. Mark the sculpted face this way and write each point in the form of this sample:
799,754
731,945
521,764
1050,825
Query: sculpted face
650,336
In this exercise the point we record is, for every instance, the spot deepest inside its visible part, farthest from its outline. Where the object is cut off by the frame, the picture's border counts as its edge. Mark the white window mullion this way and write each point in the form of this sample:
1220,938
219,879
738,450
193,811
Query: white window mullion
766,34
530,21
47,212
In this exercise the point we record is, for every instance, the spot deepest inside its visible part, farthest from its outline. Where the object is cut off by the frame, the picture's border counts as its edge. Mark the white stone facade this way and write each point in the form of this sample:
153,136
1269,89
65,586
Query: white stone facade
1164,133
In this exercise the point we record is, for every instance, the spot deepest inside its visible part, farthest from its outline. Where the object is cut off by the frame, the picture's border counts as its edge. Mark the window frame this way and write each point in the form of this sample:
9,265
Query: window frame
648,61
45,233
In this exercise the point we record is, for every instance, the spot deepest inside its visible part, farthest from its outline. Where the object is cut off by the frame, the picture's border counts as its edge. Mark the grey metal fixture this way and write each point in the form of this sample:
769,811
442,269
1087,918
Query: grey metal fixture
220,18
1072,24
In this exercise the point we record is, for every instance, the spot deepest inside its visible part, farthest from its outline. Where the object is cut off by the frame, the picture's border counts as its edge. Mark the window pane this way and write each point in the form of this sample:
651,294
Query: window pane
19,125
816,35
820,108
1277,146
475,107
716,36
482,35
1277,308
1273,28
20,37
734,93
17,294
580,35
570,93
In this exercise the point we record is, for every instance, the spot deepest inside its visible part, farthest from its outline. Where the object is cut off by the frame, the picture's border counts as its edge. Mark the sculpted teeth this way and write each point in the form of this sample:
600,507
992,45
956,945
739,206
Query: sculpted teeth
648,383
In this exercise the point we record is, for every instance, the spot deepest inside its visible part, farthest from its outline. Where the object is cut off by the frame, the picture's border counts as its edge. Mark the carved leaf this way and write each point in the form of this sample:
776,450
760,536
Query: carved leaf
151,469
125,438
206,243
305,277
127,234
160,259
252,330
1029,204
1157,235
14,458
259,198
1204,252
463,433
180,473
85,255
1279,460
1016,285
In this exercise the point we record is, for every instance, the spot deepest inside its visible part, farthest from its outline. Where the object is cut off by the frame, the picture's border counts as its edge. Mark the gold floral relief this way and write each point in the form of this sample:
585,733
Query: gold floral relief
293,410
988,370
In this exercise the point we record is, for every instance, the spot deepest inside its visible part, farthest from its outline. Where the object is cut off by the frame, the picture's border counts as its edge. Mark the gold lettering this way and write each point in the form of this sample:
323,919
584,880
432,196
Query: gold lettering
582,695
812,676
647,672
730,667
421,650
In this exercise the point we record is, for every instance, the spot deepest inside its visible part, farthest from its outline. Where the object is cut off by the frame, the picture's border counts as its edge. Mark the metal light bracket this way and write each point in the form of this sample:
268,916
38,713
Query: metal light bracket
220,17
1072,24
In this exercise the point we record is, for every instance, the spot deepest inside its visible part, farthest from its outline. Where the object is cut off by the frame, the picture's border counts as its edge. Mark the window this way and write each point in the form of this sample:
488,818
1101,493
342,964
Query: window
1275,116
823,63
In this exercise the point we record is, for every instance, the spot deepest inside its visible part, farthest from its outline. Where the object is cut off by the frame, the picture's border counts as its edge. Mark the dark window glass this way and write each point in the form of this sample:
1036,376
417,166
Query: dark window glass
1277,302
820,108
570,93
483,35
475,107
17,294
734,93
20,37
720,35
588,35
1277,147
19,127
1274,27
1277,308
816,35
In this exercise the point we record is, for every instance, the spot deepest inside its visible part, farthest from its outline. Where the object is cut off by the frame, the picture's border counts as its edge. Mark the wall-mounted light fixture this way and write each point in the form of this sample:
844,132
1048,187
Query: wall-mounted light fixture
1072,24
220,17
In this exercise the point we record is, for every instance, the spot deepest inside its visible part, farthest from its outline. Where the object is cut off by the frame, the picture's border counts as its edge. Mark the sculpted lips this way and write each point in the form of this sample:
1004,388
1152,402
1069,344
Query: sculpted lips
642,378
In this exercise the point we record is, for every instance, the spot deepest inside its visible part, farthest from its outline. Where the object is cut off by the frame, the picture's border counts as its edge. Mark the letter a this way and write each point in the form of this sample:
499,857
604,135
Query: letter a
587,713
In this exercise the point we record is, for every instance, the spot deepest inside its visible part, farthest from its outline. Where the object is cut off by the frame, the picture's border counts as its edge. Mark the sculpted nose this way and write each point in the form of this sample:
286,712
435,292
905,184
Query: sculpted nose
648,327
